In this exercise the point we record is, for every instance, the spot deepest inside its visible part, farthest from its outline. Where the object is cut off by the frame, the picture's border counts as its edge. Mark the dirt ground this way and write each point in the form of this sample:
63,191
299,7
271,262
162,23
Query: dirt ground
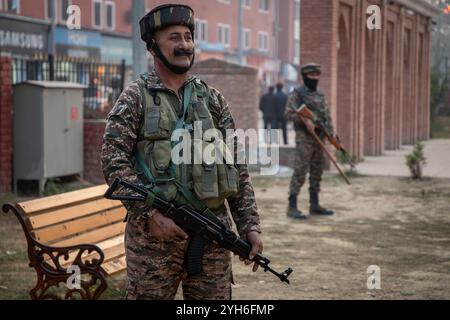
399,225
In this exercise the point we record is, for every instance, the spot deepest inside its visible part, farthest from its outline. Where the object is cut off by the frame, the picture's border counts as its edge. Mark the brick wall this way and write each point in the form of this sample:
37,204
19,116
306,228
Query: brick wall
5,125
376,81
318,27
93,138
239,85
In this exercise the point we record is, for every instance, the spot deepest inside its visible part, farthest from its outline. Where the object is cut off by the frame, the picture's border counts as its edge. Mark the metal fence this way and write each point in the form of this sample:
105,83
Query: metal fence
104,81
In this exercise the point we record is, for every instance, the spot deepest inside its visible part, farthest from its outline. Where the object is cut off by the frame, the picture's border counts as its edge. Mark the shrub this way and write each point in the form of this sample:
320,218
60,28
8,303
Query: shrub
416,160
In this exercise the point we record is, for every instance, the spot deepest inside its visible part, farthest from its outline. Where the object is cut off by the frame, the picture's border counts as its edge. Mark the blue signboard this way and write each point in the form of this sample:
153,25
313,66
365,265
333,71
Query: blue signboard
115,49
77,38
215,47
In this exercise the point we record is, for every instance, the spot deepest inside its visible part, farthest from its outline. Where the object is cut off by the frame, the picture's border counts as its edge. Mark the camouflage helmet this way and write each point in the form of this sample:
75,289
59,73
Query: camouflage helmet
310,68
164,16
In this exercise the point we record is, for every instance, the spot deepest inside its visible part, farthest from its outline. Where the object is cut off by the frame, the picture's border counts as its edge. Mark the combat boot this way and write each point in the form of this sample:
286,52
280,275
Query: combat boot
315,208
293,211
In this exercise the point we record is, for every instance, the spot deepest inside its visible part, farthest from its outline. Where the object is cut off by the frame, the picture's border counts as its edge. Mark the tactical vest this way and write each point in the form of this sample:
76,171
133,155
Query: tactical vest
212,182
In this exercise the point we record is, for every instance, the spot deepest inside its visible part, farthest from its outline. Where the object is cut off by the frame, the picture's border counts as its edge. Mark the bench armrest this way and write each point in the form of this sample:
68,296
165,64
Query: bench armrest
46,260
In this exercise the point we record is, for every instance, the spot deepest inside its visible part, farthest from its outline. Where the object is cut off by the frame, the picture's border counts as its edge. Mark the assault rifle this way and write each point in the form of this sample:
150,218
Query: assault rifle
304,113
201,227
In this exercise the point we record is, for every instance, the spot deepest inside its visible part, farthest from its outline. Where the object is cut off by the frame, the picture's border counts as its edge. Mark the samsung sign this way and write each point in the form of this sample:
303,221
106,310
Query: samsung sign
22,37
21,40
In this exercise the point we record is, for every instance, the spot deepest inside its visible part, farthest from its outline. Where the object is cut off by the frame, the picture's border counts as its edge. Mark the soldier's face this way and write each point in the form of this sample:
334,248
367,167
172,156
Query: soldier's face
314,75
176,44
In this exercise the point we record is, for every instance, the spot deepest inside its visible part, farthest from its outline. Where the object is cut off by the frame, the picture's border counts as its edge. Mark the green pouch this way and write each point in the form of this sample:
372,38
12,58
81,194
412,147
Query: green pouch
157,123
204,176
228,179
160,167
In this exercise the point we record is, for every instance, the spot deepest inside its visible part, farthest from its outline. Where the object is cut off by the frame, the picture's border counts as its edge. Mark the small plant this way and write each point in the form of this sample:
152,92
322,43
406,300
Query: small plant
416,160
342,159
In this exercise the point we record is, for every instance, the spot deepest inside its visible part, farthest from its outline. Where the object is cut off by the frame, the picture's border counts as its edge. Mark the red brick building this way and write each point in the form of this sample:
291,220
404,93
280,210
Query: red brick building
217,32
95,14
287,40
376,81
105,27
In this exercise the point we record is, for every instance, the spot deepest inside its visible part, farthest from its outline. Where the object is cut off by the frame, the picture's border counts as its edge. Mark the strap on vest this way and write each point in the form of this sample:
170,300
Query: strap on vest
186,193
187,94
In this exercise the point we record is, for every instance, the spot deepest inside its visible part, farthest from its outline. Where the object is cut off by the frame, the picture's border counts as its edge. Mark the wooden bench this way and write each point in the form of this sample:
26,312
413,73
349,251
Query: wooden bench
79,228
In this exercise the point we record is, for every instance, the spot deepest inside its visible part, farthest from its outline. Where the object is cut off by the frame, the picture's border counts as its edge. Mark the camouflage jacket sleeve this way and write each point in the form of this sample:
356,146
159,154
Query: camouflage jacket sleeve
292,106
119,141
326,117
242,205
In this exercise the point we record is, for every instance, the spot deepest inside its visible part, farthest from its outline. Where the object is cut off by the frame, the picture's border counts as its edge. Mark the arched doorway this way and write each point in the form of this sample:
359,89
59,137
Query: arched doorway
390,119
344,110
422,110
369,95
407,111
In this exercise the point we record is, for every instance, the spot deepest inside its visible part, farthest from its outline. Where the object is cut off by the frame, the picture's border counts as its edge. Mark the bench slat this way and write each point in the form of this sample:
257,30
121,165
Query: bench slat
46,203
80,217
114,266
103,245
93,236
76,211
110,253
66,229
114,252
108,243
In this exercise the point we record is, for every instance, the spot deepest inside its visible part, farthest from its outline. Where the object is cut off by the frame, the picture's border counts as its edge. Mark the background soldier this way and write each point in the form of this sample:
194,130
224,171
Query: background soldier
267,106
139,128
281,100
309,155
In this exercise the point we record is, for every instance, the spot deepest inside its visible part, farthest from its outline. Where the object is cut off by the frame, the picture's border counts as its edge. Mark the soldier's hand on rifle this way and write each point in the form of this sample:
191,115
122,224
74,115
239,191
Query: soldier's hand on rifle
163,228
335,136
310,125
257,247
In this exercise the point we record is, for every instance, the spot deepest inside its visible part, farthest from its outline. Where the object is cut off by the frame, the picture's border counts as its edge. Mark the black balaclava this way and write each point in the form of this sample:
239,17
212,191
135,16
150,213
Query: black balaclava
310,83
175,69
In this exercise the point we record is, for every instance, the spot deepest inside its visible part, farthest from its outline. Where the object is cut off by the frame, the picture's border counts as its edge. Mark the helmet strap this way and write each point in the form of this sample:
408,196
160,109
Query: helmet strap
175,69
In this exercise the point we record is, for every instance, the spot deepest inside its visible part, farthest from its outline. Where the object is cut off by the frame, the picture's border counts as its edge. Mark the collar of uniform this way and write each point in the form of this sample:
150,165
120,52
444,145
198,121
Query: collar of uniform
308,90
153,82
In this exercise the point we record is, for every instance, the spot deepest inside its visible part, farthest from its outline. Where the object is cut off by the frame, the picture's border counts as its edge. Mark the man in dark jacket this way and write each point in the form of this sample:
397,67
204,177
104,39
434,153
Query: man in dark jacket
280,107
267,106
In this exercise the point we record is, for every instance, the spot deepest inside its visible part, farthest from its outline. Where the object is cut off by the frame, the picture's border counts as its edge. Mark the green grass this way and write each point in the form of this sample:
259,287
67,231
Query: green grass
58,185
440,127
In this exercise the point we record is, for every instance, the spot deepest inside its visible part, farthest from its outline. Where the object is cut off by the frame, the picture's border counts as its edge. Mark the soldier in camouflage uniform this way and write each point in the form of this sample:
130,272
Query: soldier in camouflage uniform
309,155
155,245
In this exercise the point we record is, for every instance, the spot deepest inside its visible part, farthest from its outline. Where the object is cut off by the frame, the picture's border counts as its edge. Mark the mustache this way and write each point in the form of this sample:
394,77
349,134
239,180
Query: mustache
182,52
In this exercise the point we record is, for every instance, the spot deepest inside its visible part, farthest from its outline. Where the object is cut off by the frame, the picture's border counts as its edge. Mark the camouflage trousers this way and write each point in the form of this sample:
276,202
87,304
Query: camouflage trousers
309,158
156,269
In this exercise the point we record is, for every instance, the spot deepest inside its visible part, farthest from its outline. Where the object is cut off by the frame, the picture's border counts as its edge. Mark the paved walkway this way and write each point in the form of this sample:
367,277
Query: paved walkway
392,163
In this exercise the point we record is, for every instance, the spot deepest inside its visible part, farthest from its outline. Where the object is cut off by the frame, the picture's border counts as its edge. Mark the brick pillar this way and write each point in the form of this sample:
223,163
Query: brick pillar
319,22
93,138
5,125
427,82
